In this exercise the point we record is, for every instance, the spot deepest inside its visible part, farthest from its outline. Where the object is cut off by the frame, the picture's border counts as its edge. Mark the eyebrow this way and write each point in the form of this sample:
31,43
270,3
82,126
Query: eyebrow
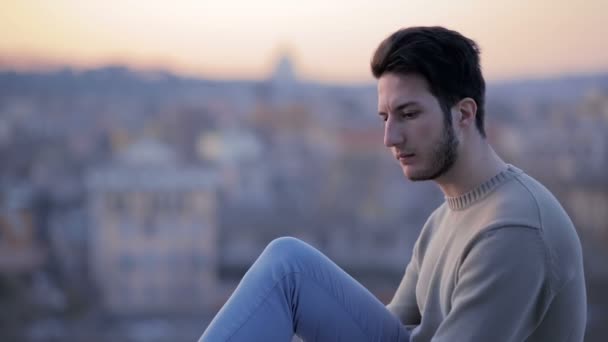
403,106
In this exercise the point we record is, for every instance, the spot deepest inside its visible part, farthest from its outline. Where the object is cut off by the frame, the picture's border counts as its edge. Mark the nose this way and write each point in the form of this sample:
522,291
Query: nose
392,134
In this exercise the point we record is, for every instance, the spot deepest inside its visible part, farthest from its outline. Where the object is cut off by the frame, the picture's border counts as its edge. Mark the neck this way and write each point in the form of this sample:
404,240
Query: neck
475,164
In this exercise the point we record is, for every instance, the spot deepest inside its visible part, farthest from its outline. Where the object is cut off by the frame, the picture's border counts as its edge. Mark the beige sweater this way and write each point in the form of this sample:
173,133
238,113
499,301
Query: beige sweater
500,263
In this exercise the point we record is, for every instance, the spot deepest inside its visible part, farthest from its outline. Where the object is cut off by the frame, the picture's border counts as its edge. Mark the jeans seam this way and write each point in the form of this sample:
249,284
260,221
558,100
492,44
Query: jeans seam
265,297
339,303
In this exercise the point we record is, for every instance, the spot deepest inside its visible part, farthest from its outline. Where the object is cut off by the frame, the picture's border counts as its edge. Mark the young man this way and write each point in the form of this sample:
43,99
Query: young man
498,261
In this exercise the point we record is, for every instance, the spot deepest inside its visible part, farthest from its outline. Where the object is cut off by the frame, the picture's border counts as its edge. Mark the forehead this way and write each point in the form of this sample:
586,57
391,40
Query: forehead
395,89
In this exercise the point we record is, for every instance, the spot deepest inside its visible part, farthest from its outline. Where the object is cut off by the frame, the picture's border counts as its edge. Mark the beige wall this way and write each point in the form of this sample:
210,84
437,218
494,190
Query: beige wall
154,250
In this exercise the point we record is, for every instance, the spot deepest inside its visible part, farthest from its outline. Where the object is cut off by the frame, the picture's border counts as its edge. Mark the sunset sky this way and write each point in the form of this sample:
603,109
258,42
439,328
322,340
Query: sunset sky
330,40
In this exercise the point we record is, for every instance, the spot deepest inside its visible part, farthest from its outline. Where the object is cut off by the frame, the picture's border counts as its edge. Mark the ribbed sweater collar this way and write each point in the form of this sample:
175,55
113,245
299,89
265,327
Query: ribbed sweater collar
478,193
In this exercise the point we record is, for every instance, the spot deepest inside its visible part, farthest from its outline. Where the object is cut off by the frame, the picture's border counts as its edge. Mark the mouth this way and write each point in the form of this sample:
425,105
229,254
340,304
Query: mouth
405,158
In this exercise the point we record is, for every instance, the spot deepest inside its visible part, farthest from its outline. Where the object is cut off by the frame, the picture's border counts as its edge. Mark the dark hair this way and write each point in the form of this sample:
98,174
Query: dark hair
447,60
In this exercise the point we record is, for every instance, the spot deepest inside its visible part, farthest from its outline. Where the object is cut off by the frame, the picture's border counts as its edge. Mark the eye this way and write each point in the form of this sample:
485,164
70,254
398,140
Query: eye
384,117
409,115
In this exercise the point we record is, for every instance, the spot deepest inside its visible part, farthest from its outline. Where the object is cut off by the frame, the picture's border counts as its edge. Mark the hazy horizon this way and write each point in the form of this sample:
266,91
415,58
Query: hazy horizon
328,42
55,68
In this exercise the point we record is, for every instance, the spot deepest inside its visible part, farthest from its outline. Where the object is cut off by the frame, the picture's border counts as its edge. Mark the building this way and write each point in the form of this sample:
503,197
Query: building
21,251
153,236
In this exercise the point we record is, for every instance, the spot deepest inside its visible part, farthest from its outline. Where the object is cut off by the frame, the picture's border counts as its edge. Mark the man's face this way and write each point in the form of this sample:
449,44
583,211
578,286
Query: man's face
415,129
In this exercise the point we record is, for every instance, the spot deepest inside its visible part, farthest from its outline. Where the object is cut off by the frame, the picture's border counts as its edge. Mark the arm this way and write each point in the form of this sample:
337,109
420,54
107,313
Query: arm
404,305
502,288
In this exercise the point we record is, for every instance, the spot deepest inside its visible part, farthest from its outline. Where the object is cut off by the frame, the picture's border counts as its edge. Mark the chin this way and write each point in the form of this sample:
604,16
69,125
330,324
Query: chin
428,173
415,175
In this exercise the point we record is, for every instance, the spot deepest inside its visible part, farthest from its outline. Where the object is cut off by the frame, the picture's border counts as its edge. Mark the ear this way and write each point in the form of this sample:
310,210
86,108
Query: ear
467,110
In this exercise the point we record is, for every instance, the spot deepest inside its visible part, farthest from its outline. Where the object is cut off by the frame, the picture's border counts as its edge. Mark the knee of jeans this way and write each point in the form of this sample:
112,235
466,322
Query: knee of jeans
286,248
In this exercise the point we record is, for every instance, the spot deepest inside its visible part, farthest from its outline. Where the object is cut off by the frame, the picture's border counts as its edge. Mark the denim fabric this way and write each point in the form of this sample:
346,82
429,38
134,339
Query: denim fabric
292,288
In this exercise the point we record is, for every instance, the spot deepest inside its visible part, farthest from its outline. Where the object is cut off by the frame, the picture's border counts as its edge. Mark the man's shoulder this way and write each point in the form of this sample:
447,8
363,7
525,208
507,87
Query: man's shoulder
525,201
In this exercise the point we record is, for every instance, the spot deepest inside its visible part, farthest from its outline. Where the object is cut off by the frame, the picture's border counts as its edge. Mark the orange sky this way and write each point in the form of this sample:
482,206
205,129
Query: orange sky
331,40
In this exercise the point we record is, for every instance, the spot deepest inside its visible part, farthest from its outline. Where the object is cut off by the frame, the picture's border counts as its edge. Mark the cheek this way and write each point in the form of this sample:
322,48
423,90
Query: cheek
425,134
425,131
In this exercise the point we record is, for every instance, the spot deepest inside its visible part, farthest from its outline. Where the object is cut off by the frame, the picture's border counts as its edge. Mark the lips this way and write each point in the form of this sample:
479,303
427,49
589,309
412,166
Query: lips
405,158
405,155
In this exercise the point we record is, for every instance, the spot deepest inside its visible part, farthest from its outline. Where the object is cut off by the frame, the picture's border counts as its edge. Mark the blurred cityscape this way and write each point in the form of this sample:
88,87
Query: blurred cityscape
131,203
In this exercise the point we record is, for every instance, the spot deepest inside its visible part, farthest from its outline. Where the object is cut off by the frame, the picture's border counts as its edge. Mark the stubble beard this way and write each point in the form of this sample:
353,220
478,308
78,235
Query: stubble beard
443,157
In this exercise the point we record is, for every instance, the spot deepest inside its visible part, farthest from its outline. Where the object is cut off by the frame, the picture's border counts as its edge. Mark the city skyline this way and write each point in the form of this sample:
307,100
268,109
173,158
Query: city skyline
244,40
144,198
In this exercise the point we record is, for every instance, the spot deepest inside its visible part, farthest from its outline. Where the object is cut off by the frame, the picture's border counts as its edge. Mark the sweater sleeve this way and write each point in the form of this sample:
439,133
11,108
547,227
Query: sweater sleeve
502,288
404,305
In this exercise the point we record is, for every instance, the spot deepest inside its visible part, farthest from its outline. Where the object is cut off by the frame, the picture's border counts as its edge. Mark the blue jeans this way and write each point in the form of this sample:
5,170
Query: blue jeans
293,288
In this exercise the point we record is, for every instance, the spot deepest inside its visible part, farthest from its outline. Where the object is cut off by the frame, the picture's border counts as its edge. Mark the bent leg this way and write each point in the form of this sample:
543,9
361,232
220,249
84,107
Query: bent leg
293,288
